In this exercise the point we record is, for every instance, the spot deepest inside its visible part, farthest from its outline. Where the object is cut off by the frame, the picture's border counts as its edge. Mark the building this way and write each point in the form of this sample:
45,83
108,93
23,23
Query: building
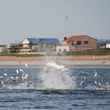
2,48
13,47
103,43
38,44
62,48
27,43
108,45
80,42
47,44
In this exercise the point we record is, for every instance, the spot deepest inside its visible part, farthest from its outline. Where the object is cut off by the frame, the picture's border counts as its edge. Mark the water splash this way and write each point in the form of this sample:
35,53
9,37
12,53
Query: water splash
55,76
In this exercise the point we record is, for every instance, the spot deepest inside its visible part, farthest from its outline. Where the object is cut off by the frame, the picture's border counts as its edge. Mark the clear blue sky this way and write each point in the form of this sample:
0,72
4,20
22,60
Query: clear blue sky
53,18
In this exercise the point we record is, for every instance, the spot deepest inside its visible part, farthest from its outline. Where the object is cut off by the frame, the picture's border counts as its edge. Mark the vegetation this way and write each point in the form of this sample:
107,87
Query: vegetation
86,52
90,52
18,55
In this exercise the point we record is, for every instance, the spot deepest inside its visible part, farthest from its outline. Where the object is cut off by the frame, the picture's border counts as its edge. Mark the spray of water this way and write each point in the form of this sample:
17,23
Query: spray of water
54,76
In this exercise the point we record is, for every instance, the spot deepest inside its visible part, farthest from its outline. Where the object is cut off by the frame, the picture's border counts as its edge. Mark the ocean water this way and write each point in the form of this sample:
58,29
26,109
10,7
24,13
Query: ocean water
20,89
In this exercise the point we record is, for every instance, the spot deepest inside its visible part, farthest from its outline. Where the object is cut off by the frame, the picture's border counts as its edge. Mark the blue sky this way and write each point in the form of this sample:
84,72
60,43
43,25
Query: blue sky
56,18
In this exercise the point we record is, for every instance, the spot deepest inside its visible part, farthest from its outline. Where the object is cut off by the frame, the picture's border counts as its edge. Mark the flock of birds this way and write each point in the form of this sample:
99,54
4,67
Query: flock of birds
19,77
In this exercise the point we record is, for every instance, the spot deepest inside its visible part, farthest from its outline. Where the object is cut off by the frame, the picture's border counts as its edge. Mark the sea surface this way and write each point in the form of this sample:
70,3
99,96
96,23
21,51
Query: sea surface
18,90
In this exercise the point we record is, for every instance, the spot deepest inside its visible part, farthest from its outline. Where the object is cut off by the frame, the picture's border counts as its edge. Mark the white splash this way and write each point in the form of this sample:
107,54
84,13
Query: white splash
54,65
54,76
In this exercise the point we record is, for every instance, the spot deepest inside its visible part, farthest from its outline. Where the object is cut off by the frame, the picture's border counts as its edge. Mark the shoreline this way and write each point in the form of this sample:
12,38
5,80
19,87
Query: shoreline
74,57
76,61
67,66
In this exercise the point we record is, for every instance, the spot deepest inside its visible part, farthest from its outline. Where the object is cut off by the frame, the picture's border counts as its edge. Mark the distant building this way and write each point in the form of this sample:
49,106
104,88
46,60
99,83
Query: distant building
103,43
27,43
108,45
62,48
2,48
38,44
80,42
13,47
48,44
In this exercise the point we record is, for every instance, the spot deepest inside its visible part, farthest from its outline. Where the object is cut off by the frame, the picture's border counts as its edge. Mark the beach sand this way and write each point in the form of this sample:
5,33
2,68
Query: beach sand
66,60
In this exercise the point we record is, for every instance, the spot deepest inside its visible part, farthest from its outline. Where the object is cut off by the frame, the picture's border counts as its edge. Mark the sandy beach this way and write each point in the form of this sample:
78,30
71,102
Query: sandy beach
66,60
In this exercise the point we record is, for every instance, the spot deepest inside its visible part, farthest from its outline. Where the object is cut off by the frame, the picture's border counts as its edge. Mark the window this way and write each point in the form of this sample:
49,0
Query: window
85,42
78,42
72,43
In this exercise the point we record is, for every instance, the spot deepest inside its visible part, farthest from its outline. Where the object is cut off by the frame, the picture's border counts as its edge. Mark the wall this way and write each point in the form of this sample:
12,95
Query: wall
82,42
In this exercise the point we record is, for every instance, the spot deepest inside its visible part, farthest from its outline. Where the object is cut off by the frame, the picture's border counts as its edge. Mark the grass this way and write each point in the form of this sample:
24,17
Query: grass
18,55
86,52
90,52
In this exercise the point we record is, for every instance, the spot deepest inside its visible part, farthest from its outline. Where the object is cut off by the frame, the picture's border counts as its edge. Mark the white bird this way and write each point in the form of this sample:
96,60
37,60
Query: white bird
26,65
95,75
81,83
17,71
95,82
12,77
21,70
5,74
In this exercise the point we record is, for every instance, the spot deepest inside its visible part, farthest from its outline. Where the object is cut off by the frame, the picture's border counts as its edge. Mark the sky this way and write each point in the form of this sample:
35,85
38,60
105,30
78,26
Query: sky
53,18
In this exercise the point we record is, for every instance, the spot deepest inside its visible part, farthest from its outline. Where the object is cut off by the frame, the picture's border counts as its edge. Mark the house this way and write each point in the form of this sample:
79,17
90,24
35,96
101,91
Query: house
38,44
80,42
27,43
